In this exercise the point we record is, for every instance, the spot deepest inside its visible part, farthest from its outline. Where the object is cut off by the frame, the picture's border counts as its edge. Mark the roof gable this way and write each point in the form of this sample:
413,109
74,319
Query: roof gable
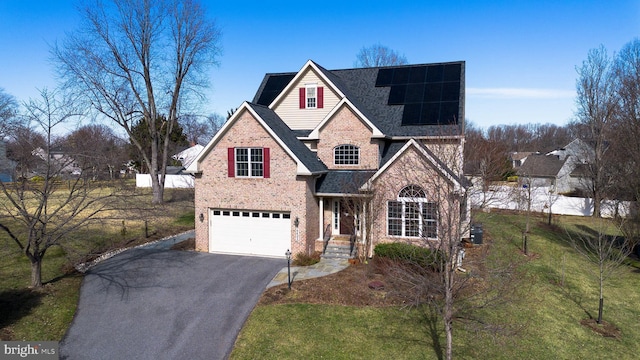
435,162
315,133
308,66
307,162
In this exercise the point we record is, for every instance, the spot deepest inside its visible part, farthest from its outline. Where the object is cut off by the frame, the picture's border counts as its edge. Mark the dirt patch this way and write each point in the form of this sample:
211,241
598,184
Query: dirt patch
348,287
605,329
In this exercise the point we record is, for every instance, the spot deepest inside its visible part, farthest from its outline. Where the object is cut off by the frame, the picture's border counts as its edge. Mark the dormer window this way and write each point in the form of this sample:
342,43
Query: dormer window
346,155
311,97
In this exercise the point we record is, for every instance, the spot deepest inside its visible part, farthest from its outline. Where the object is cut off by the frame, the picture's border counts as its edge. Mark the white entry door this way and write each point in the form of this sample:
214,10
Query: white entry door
249,232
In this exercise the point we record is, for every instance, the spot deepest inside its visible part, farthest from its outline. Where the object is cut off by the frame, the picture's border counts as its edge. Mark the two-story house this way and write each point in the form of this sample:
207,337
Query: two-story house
319,155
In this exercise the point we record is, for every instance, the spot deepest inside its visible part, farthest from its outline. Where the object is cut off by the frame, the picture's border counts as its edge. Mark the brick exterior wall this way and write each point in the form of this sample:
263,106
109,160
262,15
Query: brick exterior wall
283,191
411,169
346,128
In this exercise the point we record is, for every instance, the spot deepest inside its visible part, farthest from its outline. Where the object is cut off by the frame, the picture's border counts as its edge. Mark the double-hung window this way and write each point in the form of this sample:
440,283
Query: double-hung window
311,97
248,162
411,215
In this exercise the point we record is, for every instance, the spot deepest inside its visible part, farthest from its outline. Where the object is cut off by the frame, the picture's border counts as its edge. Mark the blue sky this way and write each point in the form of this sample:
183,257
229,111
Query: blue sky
520,55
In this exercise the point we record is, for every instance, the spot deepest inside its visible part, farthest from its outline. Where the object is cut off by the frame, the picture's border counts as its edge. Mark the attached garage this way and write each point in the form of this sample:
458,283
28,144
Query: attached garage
249,232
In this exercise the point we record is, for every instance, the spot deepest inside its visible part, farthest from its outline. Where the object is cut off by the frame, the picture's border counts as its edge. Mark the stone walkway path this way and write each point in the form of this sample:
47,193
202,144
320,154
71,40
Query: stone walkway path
323,268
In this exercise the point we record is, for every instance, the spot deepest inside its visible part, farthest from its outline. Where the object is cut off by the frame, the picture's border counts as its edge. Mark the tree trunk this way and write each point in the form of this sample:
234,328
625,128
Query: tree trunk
448,314
36,273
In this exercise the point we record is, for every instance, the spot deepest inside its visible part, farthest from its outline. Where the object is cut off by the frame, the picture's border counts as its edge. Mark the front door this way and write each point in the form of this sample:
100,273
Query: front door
347,219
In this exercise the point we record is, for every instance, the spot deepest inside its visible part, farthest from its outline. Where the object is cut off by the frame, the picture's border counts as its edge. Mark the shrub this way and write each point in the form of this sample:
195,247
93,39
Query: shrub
302,259
513,178
410,254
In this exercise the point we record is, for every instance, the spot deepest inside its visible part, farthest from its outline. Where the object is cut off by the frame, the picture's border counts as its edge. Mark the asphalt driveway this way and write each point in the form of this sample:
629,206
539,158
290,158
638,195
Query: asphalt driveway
165,304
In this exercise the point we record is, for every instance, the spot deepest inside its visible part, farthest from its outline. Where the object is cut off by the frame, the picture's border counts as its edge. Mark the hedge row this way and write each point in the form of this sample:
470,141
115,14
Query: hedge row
412,254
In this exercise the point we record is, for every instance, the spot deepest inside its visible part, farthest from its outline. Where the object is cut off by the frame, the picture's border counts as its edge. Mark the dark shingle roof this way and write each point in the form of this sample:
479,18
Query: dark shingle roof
401,106
539,165
308,157
343,181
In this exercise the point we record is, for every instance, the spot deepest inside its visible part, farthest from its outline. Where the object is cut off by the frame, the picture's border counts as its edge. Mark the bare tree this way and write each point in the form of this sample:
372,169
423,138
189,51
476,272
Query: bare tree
607,253
435,216
96,151
378,55
39,214
138,60
8,112
200,130
596,108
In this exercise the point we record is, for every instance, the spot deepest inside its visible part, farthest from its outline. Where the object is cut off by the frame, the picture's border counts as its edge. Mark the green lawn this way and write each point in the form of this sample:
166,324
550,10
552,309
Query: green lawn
45,314
545,321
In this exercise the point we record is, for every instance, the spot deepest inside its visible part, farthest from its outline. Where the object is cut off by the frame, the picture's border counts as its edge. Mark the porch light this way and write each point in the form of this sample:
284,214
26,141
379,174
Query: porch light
288,255
296,222
201,217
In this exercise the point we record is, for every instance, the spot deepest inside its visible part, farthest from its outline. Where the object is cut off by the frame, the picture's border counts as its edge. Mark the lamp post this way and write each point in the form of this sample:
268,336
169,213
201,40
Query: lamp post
288,255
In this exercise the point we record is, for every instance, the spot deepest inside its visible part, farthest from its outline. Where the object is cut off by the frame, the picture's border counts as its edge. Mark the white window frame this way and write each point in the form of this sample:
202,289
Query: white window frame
254,168
418,202
346,154
311,96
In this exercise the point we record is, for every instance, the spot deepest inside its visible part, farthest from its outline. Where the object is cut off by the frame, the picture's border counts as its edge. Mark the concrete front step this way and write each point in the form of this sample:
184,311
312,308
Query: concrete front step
338,252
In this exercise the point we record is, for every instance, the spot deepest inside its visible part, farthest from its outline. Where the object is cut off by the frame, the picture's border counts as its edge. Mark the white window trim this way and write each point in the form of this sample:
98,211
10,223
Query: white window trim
249,162
422,202
307,87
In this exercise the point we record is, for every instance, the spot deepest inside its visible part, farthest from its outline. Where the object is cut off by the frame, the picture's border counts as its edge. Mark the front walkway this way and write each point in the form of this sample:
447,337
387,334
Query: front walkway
323,268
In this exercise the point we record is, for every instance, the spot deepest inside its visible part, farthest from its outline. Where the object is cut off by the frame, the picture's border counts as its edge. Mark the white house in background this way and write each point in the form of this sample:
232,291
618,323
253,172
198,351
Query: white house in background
61,162
175,178
187,155
565,170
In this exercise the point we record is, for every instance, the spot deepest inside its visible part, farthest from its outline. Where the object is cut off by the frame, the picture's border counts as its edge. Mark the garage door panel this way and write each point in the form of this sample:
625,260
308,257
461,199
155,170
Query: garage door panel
249,233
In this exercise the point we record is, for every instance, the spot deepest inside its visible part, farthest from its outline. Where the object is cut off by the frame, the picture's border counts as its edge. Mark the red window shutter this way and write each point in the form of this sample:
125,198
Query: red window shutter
320,97
303,98
231,162
266,163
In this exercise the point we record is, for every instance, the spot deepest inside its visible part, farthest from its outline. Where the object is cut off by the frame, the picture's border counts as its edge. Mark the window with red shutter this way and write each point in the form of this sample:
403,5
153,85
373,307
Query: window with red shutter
231,162
320,97
303,98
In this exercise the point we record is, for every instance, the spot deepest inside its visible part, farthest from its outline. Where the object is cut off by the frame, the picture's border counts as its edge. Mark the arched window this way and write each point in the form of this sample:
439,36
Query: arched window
411,215
346,155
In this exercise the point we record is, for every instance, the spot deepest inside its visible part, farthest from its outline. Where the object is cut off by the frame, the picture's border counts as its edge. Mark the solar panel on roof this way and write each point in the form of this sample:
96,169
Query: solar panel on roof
430,93
418,75
450,91
452,72
397,94
434,73
411,114
273,87
449,112
401,76
385,76
414,93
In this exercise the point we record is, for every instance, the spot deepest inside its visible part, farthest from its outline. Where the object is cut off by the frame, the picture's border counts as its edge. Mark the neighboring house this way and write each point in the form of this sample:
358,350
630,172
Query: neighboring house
61,162
290,169
188,155
175,176
518,158
566,169
7,167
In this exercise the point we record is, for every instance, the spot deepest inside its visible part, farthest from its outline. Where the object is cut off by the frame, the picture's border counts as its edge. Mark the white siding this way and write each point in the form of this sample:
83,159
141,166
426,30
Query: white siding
305,119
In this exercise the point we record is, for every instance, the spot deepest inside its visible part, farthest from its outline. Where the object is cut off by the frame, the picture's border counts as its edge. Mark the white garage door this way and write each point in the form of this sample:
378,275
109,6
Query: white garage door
249,232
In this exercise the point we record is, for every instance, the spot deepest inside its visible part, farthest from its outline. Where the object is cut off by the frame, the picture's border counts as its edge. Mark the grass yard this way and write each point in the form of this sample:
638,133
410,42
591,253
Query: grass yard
544,323
45,314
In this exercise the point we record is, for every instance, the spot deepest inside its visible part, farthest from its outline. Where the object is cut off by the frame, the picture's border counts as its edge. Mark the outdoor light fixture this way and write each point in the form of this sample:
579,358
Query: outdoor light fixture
296,222
288,255
201,217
